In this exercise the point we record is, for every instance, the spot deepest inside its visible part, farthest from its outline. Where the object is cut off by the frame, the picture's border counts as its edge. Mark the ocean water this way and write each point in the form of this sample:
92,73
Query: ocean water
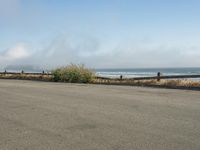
148,72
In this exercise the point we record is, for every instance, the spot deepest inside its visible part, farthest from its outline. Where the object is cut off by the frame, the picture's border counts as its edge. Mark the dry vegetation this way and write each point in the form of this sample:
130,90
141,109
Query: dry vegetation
20,76
163,83
80,74
73,74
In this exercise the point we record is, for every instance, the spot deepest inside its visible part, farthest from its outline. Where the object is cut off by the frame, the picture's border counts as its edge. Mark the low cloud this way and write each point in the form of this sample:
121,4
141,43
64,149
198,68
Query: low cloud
14,54
96,54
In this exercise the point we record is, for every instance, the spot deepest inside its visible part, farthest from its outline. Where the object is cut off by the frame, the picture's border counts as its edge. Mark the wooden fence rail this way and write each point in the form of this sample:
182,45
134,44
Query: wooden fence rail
158,77
25,73
167,77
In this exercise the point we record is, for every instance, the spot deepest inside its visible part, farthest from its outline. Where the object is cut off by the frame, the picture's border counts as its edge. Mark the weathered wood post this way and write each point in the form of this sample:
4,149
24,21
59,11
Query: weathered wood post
121,77
158,76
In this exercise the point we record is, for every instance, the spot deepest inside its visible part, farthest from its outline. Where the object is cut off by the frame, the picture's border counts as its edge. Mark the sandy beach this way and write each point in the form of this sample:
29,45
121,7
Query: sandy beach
43,115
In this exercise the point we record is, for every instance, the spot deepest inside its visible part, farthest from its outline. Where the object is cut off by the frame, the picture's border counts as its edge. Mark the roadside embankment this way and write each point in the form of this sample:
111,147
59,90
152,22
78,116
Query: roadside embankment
172,83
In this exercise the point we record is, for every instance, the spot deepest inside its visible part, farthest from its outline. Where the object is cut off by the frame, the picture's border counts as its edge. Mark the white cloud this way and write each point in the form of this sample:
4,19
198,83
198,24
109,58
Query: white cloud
17,52
14,54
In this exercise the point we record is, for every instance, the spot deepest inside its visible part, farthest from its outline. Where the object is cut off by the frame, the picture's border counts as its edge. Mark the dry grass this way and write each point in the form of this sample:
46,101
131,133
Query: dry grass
184,83
165,83
27,77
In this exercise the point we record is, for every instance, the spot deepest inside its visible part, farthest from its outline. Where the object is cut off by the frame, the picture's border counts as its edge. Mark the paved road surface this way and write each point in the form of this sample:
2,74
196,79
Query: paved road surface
57,116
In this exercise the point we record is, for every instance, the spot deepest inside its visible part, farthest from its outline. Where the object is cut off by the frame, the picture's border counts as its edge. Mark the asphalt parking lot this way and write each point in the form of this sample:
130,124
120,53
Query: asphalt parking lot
58,116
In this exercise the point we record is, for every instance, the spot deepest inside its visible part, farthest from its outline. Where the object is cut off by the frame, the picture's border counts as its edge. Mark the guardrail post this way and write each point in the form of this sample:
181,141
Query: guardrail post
158,76
121,77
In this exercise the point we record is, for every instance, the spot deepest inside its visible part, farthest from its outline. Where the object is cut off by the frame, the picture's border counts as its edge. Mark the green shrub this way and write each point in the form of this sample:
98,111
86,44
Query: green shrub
57,75
73,73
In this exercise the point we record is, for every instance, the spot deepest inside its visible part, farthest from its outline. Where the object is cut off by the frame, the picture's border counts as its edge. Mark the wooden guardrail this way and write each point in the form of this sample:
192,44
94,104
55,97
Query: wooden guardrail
167,77
25,73
158,77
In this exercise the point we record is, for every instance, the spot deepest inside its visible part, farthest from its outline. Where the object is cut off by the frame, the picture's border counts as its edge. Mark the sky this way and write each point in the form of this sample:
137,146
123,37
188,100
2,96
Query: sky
100,33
